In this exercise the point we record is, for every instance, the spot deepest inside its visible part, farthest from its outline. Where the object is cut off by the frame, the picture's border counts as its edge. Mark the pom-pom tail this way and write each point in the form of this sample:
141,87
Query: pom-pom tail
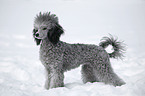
118,46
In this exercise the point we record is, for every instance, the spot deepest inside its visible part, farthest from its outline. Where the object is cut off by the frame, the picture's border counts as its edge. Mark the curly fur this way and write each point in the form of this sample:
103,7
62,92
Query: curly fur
118,47
59,57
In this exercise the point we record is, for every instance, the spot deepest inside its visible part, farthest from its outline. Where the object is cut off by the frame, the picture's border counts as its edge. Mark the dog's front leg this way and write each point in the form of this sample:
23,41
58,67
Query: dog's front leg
48,77
57,78
54,78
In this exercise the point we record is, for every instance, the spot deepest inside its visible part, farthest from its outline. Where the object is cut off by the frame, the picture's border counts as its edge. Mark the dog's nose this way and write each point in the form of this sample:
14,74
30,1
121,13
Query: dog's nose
37,34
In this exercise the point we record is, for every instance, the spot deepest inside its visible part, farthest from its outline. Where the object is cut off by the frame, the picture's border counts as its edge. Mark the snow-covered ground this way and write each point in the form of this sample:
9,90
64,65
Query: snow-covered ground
84,21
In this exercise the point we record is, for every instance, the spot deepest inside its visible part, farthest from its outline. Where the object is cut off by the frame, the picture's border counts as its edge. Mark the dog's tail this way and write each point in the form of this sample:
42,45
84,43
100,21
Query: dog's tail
118,46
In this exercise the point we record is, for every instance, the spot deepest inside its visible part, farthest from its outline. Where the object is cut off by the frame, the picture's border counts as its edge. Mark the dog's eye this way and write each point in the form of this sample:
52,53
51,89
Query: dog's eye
44,28
35,30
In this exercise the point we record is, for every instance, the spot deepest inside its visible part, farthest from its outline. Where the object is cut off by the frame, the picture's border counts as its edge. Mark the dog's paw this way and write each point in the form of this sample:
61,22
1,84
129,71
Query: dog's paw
119,83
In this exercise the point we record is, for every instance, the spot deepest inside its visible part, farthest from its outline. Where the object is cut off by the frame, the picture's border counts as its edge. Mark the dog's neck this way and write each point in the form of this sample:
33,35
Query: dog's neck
45,43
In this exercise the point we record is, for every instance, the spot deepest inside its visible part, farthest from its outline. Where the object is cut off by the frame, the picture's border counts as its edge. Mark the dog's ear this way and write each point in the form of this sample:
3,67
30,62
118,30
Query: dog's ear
36,40
55,33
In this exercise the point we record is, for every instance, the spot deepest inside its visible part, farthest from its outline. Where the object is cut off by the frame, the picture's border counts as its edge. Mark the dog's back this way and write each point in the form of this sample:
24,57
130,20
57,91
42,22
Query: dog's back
76,54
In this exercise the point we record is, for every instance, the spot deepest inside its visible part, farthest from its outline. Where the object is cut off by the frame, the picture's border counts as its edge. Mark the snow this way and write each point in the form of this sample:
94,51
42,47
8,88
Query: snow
84,21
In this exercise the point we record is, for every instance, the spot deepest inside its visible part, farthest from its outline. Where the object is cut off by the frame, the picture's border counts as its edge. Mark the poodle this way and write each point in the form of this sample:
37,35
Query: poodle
58,56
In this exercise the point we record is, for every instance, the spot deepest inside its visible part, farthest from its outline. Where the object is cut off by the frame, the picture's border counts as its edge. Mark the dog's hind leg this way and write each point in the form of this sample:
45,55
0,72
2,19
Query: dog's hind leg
88,74
105,73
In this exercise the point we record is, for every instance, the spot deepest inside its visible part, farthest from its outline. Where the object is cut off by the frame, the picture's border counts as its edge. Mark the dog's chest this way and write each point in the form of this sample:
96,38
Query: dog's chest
45,54
49,54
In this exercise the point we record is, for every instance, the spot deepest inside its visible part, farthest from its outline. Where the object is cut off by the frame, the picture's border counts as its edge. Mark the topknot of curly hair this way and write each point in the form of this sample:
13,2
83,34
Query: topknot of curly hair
45,17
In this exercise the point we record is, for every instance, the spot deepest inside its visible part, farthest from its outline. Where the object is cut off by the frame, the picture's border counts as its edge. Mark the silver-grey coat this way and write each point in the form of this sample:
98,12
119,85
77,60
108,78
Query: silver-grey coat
59,57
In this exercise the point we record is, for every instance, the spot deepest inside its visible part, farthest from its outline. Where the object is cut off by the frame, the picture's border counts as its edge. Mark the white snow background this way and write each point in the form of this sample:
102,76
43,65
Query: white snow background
84,21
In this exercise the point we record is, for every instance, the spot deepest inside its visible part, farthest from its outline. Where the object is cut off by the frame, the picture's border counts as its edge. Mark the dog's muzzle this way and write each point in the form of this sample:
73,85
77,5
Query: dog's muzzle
37,35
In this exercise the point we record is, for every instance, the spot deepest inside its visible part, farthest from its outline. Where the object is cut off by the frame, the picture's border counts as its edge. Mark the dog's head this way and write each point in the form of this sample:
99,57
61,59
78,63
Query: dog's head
46,26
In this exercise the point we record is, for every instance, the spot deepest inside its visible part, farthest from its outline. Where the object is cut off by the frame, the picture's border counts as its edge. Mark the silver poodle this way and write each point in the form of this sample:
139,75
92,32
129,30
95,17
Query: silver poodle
58,56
